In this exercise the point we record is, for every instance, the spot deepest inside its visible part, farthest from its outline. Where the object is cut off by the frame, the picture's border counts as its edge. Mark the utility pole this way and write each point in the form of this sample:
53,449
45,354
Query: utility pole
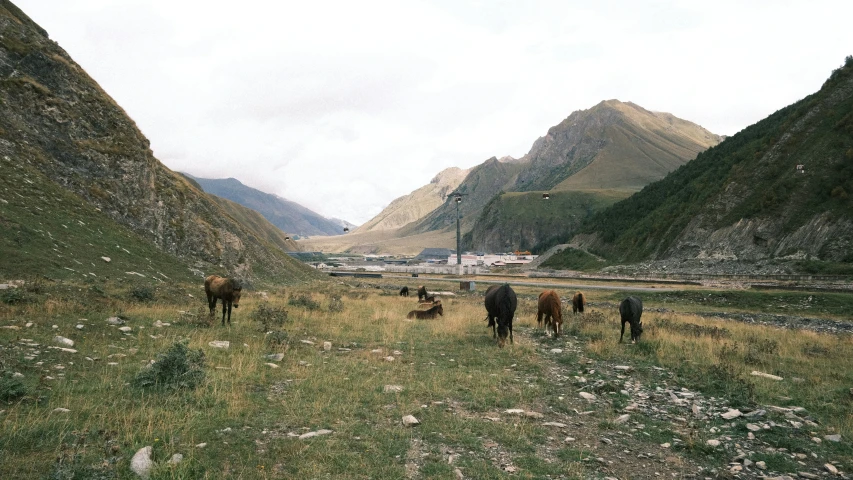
458,237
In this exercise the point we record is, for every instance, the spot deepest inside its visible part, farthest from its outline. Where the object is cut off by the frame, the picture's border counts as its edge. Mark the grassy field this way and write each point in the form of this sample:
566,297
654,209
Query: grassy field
238,414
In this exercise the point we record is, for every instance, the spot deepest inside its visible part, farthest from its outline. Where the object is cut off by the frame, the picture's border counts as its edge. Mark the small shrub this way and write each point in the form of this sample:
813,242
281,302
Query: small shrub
142,294
12,296
304,301
336,304
269,317
277,337
177,368
10,387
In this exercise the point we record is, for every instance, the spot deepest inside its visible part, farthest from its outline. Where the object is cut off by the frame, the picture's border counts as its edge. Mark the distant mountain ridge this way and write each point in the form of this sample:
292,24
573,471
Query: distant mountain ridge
417,204
612,149
288,216
779,189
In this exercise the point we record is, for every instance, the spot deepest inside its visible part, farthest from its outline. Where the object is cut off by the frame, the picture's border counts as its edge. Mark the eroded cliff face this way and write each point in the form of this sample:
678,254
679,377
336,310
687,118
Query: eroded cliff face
57,118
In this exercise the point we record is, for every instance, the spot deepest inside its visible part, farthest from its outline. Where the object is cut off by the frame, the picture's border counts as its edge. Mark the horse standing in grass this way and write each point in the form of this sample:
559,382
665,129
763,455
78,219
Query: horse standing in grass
578,302
631,309
228,289
404,292
500,306
422,292
427,314
550,308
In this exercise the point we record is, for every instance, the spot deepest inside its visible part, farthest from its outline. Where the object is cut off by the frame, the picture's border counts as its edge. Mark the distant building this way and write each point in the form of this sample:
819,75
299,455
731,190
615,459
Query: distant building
435,254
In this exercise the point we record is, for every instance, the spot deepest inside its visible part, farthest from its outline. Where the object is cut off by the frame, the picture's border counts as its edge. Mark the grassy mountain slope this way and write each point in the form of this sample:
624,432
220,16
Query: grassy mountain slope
613,145
523,220
744,199
56,119
418,204
288,216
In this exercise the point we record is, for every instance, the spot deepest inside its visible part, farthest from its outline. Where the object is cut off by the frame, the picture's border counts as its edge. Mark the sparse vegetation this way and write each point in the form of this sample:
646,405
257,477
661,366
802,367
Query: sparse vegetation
177,368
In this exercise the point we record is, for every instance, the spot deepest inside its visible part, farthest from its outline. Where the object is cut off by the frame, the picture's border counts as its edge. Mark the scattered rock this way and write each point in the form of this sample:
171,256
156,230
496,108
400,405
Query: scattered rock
761,465
831,468
622,367
79,326
276,357
514,411
327,346
63,341
622,419
141,462
587,396
317,433
832,438
392,388
665,445
115,321
534,415
808,475
731,414
61,410
220,344
458,474
125,329
201,445
713,443
307,342
389,358
756,373
106,259
271,365
555,424
752,427
410,421
556,350
176,459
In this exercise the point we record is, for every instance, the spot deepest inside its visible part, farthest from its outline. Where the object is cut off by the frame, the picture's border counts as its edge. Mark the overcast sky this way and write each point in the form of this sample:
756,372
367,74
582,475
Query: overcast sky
343,106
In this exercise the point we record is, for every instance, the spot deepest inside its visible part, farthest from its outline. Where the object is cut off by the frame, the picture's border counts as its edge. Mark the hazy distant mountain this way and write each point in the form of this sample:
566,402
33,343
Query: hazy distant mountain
288,216
418,204
61,133
779,189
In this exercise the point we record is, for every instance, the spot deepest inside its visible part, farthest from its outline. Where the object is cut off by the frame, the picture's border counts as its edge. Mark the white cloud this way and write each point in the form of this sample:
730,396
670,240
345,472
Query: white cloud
343,106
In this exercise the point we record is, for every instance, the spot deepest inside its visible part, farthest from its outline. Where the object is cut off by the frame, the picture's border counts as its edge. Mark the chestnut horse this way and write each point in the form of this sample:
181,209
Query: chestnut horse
578,302
228,289
427,314
501,302
550,308
422,293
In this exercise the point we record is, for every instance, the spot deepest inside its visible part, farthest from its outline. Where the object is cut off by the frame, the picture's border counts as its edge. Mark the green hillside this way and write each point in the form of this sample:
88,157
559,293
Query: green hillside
49,232
523,220
745,197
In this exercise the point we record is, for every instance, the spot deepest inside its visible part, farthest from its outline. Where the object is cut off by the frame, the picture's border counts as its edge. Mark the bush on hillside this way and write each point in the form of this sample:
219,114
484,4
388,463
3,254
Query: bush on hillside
176,368
142,294
304,301
269,317
10,387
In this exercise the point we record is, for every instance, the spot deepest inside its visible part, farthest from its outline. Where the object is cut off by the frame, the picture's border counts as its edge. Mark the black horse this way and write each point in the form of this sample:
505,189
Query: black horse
500,306
631,309
404,292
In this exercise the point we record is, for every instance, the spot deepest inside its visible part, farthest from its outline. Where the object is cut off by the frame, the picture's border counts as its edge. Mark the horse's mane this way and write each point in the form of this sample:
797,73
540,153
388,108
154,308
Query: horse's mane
504,304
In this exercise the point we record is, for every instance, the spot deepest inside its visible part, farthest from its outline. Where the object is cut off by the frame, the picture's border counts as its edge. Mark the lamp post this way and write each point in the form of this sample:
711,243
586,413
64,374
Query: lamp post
458,199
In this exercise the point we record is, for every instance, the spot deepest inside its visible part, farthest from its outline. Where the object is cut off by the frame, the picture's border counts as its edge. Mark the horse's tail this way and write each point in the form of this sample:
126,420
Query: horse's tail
505,303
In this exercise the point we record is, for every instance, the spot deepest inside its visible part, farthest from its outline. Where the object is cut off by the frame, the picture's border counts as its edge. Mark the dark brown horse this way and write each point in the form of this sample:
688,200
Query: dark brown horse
404,292
429,299
631,309
550,308
578,302
427,314
500,306
422,293
228,289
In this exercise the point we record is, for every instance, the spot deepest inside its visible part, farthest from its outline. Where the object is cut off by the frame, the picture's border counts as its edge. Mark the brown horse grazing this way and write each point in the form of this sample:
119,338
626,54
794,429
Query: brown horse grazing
422,293
578,302
429,299
427,314
228,289
631,309
404,292
501,302
550,308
